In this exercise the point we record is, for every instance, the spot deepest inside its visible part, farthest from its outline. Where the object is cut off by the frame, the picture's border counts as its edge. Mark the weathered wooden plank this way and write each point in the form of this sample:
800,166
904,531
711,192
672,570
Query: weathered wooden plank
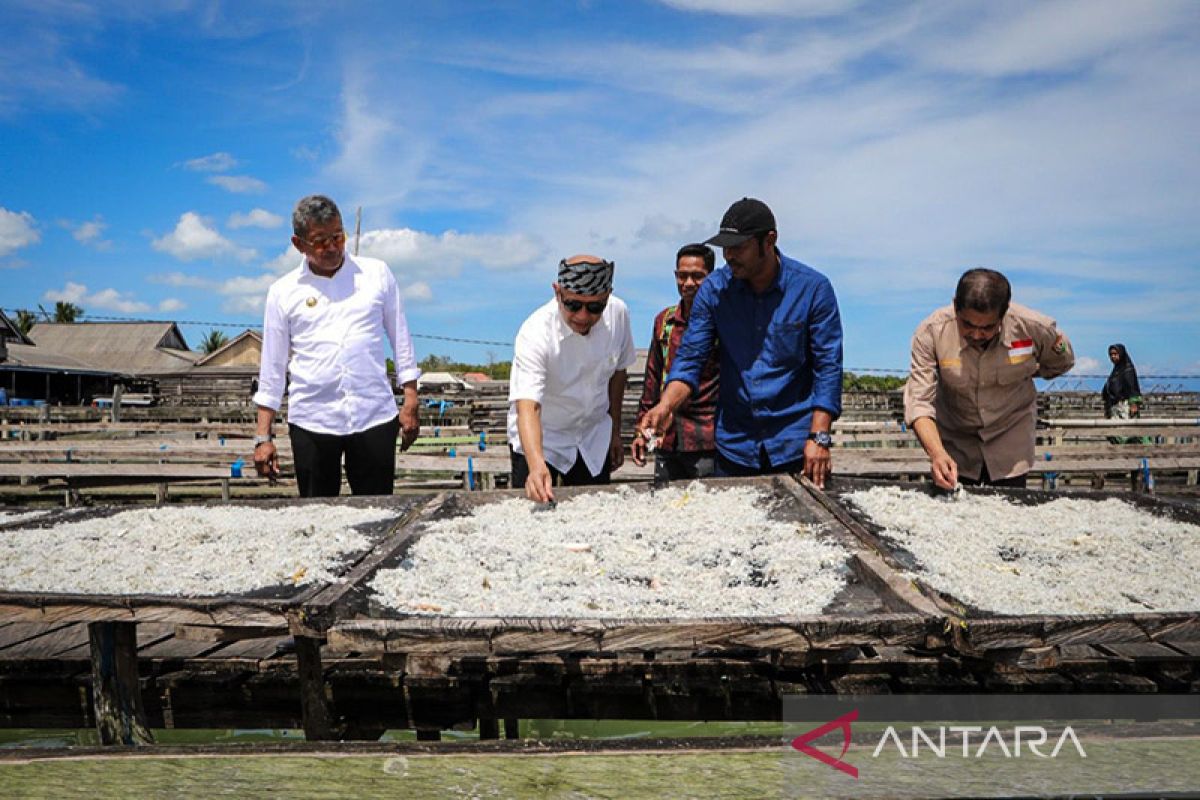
1146,651
48,609
227,633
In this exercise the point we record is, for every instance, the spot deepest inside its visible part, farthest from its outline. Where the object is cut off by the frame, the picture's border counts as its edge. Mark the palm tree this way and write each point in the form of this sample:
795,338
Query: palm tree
66,312
213,342
24,320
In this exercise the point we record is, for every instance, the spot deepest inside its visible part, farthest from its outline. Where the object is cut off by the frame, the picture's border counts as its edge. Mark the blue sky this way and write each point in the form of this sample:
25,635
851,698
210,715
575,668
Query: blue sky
152,153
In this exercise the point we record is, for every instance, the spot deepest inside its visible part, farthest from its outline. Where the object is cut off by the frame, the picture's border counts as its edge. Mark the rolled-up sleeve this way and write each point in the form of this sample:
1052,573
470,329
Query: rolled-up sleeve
920,390
272,365
697,341
396,325
825,336
1052,362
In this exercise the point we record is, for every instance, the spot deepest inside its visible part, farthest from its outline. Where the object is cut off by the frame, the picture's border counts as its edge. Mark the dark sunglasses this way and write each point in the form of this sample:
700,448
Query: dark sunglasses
593,306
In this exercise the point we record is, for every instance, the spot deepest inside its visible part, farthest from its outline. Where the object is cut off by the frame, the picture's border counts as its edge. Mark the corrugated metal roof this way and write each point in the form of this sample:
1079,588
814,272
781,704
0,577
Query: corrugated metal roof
24,356
133,348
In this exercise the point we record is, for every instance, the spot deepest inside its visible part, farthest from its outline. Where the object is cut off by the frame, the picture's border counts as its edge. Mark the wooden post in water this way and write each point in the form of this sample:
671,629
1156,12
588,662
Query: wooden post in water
116,695
313,704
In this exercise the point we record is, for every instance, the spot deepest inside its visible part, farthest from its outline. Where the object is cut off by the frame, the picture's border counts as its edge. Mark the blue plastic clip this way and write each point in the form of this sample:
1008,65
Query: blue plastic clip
221,439
470,474
482,441
1147,478
235,469
452,452
1052,477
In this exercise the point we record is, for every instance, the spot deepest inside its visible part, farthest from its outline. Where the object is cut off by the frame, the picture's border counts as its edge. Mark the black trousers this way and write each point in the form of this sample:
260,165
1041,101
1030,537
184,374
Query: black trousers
370,460
1015,482
577,475
732,469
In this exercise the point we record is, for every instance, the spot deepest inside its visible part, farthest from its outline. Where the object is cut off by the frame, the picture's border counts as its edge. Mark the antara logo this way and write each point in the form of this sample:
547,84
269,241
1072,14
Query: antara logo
1031,737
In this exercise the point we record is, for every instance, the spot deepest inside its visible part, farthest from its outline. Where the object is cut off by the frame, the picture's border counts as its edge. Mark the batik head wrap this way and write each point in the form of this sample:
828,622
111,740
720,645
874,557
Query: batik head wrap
590,277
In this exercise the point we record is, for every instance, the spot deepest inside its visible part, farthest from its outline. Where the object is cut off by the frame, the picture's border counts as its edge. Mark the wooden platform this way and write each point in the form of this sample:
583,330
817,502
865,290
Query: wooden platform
359,669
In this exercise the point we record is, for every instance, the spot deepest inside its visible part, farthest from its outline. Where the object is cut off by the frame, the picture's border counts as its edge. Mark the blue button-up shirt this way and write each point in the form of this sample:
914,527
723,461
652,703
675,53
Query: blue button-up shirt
781,357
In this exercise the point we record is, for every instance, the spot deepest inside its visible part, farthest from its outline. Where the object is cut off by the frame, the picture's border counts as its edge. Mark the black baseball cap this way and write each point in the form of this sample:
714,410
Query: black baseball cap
744,218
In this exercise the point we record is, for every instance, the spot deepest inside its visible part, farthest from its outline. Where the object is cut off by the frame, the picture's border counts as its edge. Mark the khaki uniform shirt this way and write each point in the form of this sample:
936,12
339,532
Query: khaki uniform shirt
984,401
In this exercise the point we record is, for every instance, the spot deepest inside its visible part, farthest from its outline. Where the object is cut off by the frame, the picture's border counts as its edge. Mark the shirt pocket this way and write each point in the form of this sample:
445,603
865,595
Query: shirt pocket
1010,374
788,342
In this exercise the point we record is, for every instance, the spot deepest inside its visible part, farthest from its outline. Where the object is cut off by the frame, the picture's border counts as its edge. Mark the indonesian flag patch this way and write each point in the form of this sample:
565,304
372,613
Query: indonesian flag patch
1020,350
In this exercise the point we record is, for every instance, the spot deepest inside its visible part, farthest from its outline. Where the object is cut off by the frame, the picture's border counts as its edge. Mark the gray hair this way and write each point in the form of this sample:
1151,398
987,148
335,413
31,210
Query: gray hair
316,209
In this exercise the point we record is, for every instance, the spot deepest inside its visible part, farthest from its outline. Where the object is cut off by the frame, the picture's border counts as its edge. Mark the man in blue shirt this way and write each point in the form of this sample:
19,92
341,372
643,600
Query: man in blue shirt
779,335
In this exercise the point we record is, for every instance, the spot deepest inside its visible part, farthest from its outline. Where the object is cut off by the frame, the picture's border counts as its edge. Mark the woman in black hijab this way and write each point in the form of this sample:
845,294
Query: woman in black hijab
1122,395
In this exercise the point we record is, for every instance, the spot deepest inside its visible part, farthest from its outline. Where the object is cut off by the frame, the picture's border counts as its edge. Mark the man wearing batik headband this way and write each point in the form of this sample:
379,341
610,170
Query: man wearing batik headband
970,396
567,383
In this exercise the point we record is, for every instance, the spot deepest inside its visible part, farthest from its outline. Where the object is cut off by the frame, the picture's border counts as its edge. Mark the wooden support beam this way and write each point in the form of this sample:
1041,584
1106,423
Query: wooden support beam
116,695
512,728
226,633
313,702
489,728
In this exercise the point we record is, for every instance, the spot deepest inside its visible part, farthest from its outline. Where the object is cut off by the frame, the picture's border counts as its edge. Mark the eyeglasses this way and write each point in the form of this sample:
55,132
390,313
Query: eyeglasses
325,242
593,306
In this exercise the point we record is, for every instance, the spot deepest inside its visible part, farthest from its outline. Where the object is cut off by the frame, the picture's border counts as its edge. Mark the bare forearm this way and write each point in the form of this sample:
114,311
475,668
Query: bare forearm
266,419
675,395
928,436
529,429
822,420
616,396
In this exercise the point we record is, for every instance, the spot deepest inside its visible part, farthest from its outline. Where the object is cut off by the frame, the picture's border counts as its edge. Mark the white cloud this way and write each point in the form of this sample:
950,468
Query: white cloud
17,229
91,233
256,218
216,162
286,261
105,299
171,304
238,184
1085,365
417,292
416,253
193,238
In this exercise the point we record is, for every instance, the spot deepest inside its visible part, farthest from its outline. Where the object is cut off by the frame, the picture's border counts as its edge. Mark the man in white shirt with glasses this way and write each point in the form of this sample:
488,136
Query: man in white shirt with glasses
323,337
567,382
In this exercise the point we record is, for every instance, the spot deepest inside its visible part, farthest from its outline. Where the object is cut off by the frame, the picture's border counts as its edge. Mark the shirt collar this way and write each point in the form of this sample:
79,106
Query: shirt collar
347,261
775,286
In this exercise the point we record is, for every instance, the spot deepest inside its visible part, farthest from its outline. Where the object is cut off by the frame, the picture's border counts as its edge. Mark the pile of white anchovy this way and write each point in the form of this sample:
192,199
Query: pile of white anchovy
185,550
694,552
1065,556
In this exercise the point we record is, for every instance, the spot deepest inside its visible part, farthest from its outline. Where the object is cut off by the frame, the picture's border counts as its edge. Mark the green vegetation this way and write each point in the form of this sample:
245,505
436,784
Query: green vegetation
213,341
872,383
66,312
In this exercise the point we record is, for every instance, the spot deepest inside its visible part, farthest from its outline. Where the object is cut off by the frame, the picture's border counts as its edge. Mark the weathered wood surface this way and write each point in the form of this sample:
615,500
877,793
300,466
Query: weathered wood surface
116,693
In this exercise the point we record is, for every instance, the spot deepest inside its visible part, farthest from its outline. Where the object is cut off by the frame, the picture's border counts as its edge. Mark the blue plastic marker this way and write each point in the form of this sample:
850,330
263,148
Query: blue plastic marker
1052,476
235,469
482,441
1147,478
470,474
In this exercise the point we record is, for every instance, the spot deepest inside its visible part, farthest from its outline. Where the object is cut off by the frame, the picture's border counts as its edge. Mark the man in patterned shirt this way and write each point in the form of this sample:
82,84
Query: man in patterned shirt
688,449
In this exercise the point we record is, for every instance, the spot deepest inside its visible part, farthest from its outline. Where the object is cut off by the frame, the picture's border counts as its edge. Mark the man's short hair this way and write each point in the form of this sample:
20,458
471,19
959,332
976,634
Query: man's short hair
983,290
700,251
316,209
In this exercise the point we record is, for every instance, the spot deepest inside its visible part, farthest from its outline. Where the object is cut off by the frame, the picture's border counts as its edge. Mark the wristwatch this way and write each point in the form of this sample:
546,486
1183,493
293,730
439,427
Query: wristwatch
822,438
263,439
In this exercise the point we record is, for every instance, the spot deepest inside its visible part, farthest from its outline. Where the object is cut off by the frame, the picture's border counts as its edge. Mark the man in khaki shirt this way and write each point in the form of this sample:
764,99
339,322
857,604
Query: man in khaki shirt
970,396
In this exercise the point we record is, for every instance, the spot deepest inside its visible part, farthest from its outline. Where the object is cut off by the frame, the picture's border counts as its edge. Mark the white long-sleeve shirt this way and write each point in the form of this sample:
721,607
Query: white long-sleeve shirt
568,374
323,337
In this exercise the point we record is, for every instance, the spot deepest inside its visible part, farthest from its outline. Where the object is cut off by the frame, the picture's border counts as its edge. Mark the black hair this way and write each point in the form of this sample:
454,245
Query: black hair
983,290
700,251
